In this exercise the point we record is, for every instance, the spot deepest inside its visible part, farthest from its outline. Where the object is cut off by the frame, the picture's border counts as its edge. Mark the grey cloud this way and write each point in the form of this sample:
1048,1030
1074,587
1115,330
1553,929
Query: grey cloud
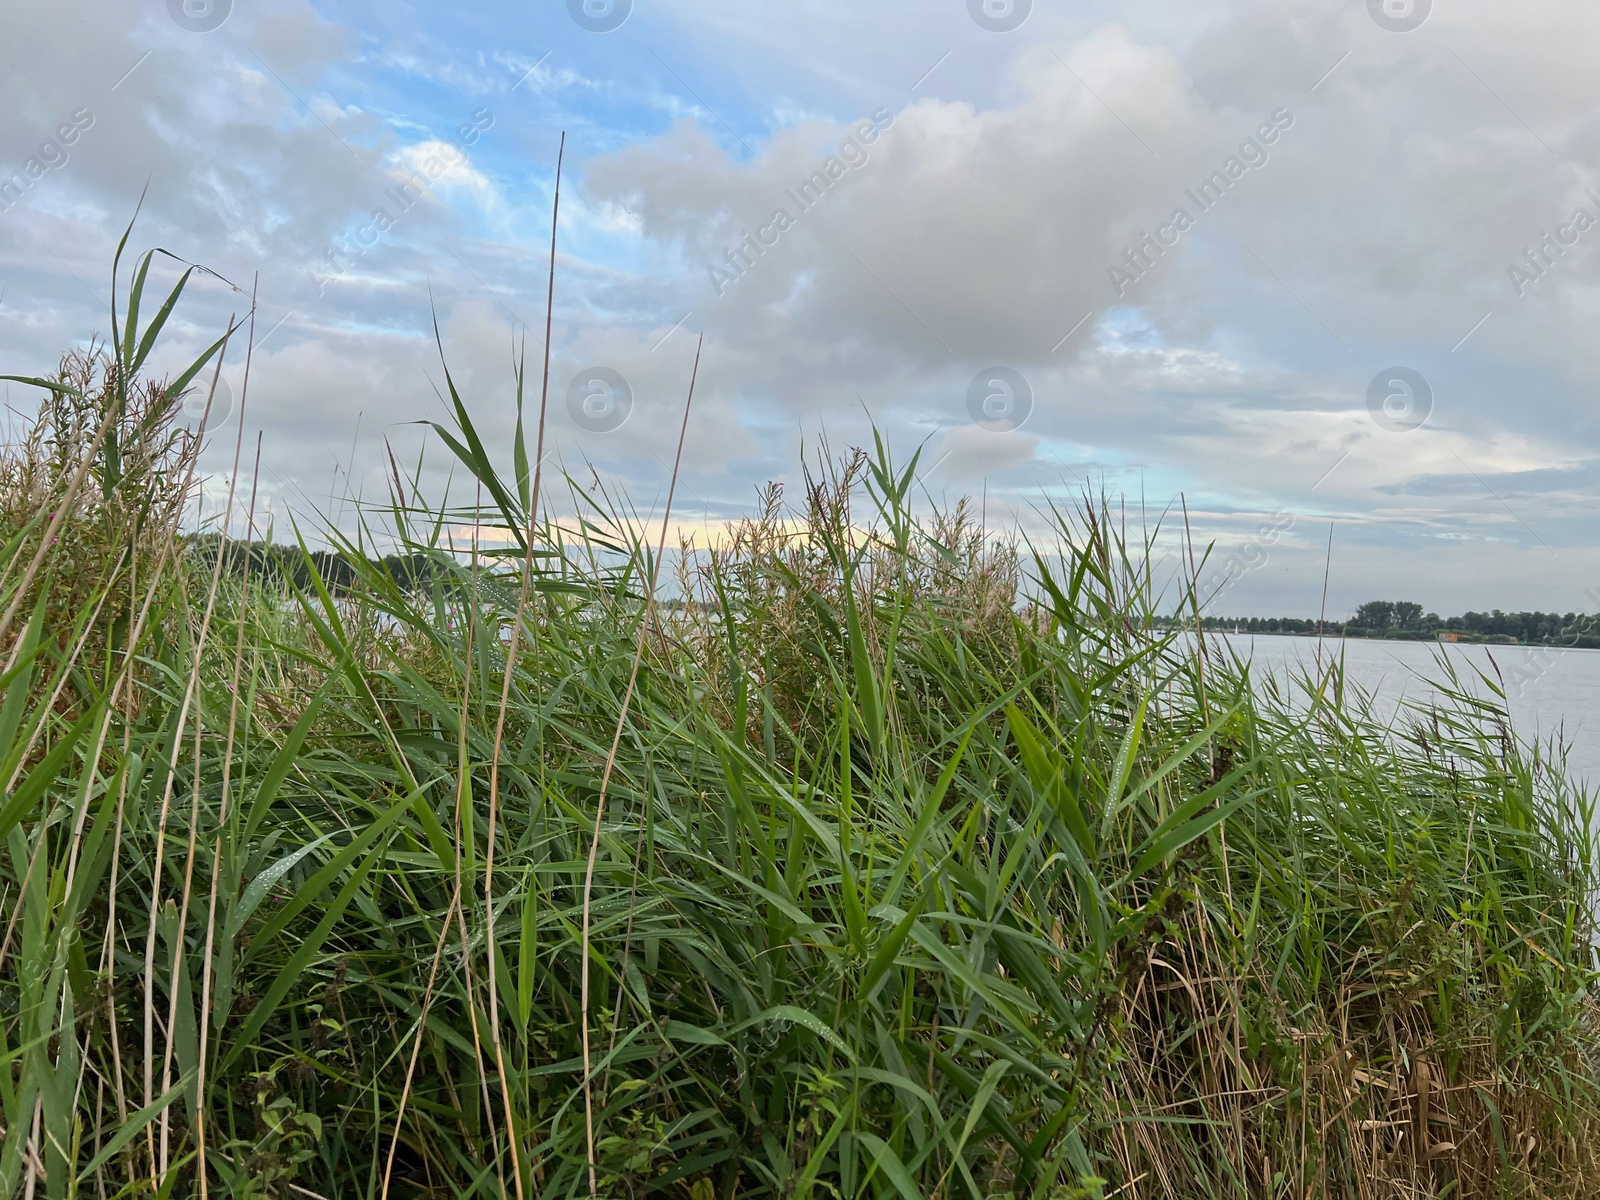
977,231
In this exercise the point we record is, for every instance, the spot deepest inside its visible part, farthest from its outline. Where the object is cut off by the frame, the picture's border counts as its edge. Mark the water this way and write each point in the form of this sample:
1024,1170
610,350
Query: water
1548,690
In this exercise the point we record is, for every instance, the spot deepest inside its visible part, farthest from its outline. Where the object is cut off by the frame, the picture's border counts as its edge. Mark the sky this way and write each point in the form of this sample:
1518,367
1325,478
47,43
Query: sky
1302,270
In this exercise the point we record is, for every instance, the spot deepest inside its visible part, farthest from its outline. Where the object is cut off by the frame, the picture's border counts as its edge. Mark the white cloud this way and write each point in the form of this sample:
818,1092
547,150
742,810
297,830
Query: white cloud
976,231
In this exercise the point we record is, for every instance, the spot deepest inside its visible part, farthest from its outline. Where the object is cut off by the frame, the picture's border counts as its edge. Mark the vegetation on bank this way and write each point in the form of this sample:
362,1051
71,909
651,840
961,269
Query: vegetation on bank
294,567
902,863
1404,620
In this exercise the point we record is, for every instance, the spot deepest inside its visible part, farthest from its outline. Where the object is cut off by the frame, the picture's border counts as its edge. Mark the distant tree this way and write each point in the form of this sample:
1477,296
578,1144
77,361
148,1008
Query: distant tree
1388,614
1375,614
1406,614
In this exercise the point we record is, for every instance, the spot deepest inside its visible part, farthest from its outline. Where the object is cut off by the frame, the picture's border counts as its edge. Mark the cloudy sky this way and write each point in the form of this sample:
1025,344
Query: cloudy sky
1307,265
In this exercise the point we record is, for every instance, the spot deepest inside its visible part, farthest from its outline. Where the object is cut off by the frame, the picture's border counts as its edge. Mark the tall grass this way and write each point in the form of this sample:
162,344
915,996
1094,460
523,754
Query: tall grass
928,864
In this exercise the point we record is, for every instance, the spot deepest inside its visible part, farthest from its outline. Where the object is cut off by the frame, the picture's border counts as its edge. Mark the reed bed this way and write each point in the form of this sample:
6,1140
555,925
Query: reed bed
862,854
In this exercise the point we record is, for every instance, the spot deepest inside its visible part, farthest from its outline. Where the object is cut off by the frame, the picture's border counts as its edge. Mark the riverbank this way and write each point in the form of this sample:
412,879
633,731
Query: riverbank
1550,697
1570,631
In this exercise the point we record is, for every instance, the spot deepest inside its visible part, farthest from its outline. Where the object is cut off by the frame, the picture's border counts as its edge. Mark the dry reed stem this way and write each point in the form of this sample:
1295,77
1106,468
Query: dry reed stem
223,811
416,1045
161,837
611,761
505,692
463,803
1387,1133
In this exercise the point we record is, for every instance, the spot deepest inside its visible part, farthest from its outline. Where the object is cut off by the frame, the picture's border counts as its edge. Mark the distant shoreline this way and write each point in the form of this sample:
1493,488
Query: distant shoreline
1407,621
1336,636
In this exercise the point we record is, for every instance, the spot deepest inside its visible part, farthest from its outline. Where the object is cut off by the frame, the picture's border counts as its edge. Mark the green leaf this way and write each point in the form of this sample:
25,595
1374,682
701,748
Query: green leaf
886,1160
798,1016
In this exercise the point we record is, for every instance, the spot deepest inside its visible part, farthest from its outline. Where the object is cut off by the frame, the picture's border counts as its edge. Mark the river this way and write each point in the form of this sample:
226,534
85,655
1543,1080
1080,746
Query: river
1548,690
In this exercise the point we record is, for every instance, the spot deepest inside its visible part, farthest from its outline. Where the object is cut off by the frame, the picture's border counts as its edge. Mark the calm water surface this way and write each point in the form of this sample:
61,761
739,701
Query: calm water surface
1548,690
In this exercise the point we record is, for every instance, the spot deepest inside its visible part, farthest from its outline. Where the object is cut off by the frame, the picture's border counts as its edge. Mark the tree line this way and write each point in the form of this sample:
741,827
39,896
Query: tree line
276,563
1406,620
